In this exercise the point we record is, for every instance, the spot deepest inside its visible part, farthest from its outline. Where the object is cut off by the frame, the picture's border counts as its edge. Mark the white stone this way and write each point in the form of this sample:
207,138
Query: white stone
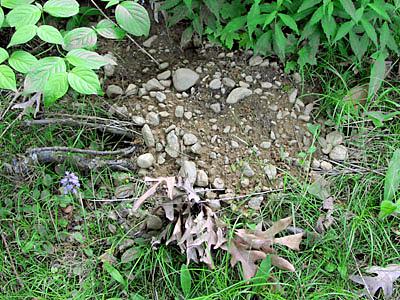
189,139
202,178
183,79
145,161
238,94
338,153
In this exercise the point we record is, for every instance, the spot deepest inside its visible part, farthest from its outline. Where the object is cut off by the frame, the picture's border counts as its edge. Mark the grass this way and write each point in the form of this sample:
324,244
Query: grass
58,255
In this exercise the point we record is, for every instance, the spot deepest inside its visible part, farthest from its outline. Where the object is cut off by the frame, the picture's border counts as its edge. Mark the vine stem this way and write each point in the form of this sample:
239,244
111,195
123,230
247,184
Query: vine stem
127,34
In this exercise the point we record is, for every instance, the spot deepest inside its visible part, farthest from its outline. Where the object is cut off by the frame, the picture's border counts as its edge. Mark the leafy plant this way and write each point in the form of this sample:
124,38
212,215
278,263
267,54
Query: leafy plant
364,31
73,60
392,182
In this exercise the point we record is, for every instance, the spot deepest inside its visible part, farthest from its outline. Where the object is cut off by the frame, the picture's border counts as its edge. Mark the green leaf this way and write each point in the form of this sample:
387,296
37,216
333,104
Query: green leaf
82,37
40,73
61,8
114,273
50,34
349,8
84,81
280,41
186,280
1,17
378,71
252,17
22,61
186,36
289,22
3,55
359,46
23,15
317,16
387,39
392,178
14,3
111,3
388,207
269,19
87,59
23,35
109,30
264,45
359,14
214,6
7,78
308,4
380,10
370,31
329,26
133,18
55,88
343,30
263,271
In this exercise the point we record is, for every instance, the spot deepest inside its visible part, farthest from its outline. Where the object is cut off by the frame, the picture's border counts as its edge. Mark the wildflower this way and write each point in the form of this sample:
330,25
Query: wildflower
70,183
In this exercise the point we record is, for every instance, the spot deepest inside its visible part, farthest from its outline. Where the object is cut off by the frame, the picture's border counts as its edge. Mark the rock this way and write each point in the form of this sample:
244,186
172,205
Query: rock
163,66
265,145
255,202
249,78
147,43
119,110
166,83
228,82
188,171
216,107
218,183
214,204
304,118
114,90
153,85
179,111
172,147
164,114
247,170
138,120
148,136
131,90
153,222
202,179
334,138
164,75
270,171
297,78
161,97
188,115
238,94
266,85
293,96
338,153
142,92
196,149
316,164
109,69
215,84
357,95
145,161
234,144
326,166
189,139
245,182
183,79
255,61
153,118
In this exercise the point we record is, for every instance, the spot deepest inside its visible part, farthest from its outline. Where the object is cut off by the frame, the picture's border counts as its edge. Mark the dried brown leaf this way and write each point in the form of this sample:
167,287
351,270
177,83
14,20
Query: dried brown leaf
291,241
221,240
385,279
277,227
282,263
150,192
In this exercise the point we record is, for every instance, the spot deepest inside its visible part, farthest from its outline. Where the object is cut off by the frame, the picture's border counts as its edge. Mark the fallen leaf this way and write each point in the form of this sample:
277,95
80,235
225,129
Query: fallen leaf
129,255
125,191
385,279
291,241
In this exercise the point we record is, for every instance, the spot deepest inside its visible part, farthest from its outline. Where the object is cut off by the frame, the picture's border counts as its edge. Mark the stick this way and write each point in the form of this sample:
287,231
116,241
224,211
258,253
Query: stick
3,237
129,37
74,123
124,151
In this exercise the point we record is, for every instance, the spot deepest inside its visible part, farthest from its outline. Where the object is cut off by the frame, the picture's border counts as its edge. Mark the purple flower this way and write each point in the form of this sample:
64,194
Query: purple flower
70,183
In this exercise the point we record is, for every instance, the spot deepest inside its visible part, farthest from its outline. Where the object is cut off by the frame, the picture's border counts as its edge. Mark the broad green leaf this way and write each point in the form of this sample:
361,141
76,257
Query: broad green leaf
3,55
55,88
188,4
380,10
308,4
252,17
61,8
392,178
23,15
114,273
215,7
84,81
133,18
264,45
22,61
112,3
343,30
186,36
329,26
7,78
82,37
370,31
40,73
186,280
269,19
109,30
349,8
280,41
387,39
359,14
23,35
378,117
377,76
1,17
129,255
289,22
263,271
87,59
317,16
14,3
50,34
358,45
389,207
